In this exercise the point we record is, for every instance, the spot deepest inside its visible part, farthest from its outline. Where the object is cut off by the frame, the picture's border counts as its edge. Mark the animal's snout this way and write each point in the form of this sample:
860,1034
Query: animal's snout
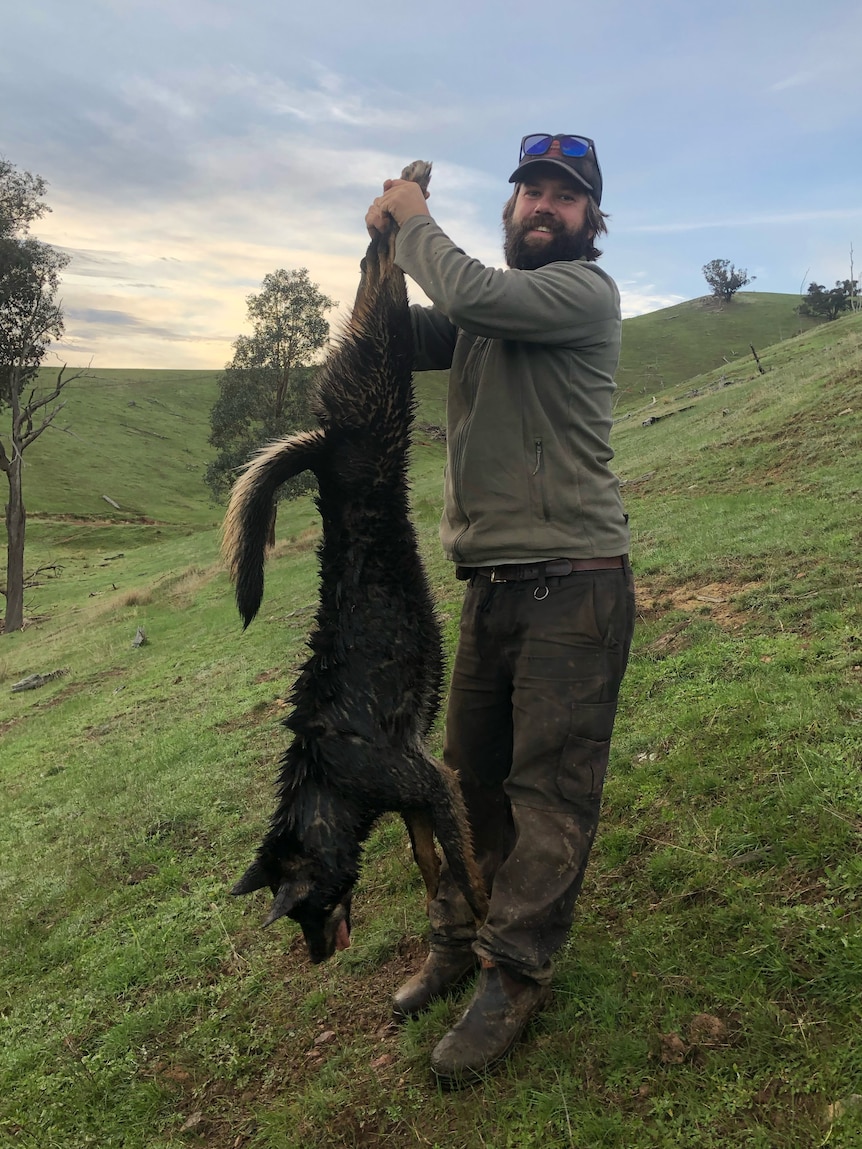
324,937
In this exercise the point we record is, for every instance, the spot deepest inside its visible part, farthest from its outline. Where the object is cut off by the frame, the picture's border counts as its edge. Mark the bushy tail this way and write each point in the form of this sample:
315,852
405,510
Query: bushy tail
249,515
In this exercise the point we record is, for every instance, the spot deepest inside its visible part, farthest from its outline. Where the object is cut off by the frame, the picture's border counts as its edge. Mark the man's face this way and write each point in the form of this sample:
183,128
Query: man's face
548,222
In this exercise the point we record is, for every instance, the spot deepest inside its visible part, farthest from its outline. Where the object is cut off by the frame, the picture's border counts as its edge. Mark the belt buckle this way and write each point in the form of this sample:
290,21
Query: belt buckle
494,575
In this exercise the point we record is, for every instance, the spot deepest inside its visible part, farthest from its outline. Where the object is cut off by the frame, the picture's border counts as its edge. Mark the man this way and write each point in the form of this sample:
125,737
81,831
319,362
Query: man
534,521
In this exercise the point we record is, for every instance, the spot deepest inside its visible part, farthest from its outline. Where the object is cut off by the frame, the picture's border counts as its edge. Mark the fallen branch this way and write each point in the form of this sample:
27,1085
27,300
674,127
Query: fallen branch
30,580
34,681
657,418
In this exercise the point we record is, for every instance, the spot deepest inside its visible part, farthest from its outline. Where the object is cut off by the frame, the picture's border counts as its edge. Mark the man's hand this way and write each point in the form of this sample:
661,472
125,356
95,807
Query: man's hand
401,200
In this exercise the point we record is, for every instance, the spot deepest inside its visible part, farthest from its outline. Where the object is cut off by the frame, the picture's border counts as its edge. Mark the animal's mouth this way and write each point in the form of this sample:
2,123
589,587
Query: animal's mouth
342,936
323,939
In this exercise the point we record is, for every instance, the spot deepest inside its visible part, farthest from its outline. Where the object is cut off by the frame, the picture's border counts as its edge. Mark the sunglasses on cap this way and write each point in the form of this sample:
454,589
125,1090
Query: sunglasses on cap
540,144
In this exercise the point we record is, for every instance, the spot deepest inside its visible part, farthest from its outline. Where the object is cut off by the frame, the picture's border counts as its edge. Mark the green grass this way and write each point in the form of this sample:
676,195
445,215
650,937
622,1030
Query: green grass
145,432
709,993
139,437
667,347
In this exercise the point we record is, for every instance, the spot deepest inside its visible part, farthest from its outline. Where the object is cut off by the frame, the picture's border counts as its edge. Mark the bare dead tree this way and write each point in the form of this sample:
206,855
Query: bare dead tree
30,318
30,417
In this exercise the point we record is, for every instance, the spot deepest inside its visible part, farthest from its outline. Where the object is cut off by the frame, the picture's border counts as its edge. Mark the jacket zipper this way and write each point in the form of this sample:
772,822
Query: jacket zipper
540,471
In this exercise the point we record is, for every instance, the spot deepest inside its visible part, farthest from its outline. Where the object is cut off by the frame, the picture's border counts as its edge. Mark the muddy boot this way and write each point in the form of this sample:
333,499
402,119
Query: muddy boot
443,970
493,1022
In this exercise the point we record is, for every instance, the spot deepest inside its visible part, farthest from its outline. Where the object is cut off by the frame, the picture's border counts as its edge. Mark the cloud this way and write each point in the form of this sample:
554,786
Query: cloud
185,263
777,219
797,80
113,337
640,299
139,91
328,99
96,264
103,320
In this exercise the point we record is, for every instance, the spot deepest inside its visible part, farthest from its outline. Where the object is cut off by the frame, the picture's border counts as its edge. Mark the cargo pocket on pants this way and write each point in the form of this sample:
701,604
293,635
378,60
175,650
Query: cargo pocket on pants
584,761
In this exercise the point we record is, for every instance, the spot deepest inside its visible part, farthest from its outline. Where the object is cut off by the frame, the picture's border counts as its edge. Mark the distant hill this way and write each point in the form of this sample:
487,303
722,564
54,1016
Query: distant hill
664,348
667,347
140,437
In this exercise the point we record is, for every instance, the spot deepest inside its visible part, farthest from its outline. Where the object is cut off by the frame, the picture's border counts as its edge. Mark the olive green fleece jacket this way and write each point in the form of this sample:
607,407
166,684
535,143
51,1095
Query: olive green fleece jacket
532,356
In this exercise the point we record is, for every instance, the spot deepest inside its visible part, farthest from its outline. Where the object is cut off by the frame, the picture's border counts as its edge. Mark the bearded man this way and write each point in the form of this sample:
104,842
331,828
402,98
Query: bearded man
534,522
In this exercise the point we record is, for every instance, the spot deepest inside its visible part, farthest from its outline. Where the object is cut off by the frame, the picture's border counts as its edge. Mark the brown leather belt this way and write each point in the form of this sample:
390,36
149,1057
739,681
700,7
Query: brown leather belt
554,568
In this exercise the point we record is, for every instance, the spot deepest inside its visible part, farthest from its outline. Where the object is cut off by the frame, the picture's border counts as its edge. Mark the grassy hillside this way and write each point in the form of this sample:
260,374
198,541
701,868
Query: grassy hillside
666,347
139,437
663,349
709,994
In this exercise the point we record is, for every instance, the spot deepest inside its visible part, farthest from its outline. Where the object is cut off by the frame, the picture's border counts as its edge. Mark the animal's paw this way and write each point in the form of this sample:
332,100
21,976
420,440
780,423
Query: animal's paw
419,172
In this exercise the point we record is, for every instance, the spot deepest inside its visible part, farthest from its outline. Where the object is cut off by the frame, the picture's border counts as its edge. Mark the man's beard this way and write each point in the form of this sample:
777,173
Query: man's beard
527,255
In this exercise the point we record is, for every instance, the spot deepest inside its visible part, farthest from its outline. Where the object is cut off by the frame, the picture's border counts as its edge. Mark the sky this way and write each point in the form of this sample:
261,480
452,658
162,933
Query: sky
193,146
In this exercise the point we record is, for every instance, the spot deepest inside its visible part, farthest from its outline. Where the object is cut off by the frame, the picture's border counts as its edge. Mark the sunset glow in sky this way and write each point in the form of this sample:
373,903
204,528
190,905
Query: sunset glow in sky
192,147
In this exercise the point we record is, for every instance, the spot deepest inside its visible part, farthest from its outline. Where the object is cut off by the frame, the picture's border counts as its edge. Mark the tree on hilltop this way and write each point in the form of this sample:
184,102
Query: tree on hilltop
724,279
30,318
828,303
265,390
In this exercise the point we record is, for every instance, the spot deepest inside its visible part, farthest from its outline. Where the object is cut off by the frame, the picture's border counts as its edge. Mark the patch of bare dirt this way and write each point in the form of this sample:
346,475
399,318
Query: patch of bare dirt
92,520
714,600
6,726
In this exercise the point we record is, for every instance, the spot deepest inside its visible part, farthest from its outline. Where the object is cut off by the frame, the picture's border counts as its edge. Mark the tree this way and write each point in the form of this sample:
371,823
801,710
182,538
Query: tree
265,390
30,318
826,303
725,279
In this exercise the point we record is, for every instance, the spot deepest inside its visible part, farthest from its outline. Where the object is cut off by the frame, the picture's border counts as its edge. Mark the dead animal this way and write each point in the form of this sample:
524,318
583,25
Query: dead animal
366,697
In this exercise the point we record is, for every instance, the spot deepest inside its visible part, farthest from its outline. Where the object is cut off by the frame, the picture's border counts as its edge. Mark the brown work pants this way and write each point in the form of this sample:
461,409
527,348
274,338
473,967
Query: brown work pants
528,727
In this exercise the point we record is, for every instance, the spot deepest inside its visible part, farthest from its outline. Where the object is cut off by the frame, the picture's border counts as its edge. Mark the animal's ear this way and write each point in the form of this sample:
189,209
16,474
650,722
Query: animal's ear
291,892
255,878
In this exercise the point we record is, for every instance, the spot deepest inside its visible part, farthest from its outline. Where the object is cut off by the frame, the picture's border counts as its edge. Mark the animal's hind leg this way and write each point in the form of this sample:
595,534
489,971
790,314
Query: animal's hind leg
380,258
420,172
420,827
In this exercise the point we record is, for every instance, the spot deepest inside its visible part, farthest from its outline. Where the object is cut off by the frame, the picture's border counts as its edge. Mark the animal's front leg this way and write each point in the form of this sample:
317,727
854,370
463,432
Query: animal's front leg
452,828
420,827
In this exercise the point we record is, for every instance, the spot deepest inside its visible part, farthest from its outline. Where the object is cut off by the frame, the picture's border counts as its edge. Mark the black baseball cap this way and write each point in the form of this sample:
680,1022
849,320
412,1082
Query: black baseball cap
576,157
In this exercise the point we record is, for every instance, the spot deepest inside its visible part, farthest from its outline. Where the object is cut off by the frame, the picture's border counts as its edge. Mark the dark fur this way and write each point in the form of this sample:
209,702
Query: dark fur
366,697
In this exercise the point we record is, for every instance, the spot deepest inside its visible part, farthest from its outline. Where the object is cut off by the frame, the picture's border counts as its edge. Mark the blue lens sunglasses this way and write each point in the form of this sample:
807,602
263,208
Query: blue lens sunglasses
540,144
